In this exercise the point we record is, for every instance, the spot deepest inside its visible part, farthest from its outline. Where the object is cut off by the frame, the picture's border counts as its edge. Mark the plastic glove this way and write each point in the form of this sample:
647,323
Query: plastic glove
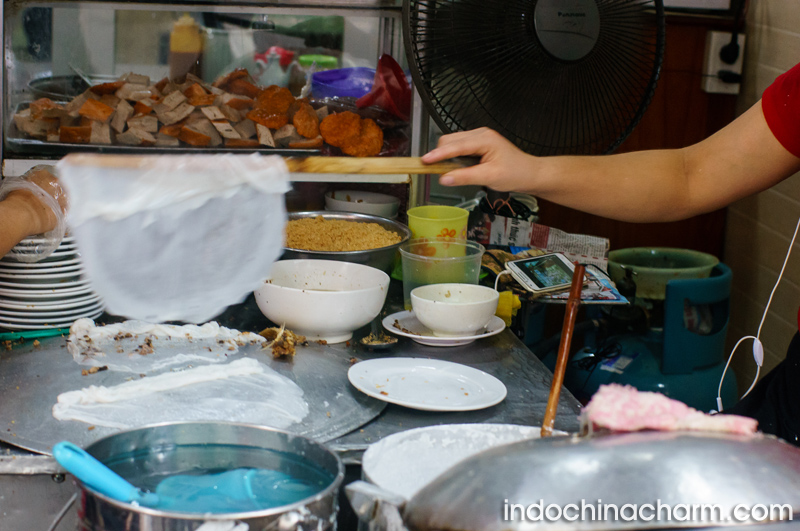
43,184
507,306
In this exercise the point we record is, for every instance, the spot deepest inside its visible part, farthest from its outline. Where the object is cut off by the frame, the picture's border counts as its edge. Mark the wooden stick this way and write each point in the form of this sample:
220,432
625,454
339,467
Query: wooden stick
573,302
373,165
341,165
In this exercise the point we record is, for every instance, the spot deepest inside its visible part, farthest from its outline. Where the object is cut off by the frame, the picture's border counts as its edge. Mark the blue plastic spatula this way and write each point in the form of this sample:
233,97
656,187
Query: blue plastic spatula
239,490
99,477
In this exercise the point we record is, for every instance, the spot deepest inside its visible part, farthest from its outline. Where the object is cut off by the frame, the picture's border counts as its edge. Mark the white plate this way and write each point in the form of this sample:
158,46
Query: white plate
50,276
411,327
45,294
40,286
49,305
426,384
38,316
54,257
54,269
74,262
53,324
406,462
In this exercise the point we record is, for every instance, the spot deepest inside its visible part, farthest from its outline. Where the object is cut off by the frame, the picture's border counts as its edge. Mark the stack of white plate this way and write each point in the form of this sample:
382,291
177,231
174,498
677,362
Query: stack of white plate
51,293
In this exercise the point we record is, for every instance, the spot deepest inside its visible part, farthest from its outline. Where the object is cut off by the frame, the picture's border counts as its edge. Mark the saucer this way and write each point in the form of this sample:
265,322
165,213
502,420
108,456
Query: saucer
405,324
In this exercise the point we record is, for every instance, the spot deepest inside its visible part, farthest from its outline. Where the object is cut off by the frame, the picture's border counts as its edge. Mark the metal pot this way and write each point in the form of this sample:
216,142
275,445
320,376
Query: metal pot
148,454
671,468
382,258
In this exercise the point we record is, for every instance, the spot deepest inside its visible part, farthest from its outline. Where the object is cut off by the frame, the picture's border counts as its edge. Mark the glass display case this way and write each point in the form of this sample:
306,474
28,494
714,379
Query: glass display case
145,77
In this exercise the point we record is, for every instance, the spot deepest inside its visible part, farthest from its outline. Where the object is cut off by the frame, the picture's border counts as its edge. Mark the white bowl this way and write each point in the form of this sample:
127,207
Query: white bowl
322,299
383,205
454,310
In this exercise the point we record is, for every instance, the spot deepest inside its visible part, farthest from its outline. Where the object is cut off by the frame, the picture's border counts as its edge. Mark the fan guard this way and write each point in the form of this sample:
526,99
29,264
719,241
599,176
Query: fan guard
553,76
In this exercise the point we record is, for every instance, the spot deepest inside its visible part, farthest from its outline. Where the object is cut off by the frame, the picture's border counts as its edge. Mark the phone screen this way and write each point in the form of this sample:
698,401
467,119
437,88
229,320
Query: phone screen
547,271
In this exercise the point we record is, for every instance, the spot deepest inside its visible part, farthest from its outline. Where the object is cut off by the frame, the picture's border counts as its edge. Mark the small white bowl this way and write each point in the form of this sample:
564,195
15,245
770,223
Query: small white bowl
322,299
454,310
383,205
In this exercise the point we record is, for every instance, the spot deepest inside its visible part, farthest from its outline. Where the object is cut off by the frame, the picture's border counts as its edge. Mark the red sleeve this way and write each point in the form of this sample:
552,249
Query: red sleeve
781,105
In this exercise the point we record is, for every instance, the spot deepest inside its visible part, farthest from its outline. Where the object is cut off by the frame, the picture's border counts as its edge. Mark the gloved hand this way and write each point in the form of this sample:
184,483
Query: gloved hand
48,204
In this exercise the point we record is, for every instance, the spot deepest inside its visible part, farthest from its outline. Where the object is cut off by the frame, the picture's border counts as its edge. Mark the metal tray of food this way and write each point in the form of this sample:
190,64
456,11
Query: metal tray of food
30,146
16,142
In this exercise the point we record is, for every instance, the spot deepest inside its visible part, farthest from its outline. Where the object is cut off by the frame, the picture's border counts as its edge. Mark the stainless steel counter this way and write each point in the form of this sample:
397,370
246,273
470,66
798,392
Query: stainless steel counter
503,356
32,490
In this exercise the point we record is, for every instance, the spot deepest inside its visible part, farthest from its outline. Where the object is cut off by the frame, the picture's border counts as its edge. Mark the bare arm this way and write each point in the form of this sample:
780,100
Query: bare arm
656,185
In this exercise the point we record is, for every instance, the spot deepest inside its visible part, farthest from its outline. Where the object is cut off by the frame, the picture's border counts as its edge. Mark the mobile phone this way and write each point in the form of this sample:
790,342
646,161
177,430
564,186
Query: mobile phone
548,272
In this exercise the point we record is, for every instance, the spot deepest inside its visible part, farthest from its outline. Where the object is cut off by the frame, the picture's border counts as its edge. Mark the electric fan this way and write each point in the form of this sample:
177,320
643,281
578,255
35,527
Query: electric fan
553,76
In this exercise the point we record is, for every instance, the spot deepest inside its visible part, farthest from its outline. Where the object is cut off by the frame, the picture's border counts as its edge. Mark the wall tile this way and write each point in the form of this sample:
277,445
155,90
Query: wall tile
778,48
772,208
777,14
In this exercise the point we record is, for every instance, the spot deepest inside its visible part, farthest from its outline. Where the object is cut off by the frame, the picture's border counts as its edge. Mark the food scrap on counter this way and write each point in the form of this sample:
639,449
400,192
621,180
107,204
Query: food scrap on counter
282,342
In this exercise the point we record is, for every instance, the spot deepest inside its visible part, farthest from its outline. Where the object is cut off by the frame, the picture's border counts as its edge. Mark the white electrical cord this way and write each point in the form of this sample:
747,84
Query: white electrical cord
500,274
758,347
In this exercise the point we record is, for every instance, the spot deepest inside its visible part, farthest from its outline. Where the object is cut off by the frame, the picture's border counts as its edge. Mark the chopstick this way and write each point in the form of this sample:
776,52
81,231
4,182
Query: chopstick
571,314
314,164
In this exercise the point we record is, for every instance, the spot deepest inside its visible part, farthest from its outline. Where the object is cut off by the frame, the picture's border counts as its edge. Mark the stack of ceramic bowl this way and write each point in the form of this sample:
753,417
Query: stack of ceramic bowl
51,293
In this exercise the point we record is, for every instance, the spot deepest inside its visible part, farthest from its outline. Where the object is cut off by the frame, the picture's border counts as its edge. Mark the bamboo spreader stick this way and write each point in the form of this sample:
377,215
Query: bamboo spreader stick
373,165
571,314
313,164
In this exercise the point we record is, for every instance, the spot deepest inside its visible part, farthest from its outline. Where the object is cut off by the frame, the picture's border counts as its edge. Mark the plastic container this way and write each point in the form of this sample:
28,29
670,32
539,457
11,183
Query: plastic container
185,48
343,82
438,221
383,205
430,261
175,238
322,62
655,266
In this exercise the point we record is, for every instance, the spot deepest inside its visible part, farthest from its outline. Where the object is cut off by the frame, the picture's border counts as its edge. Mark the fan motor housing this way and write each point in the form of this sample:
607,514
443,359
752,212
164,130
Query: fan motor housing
567,30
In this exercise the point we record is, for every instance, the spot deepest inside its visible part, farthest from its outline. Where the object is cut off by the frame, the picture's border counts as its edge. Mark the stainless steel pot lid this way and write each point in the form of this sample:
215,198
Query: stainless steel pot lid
673,468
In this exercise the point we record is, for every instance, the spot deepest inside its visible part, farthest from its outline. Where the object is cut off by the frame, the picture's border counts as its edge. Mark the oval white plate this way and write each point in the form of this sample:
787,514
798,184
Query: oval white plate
55,294
53,324
9,267
39,286
426,384
405,324
39,316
